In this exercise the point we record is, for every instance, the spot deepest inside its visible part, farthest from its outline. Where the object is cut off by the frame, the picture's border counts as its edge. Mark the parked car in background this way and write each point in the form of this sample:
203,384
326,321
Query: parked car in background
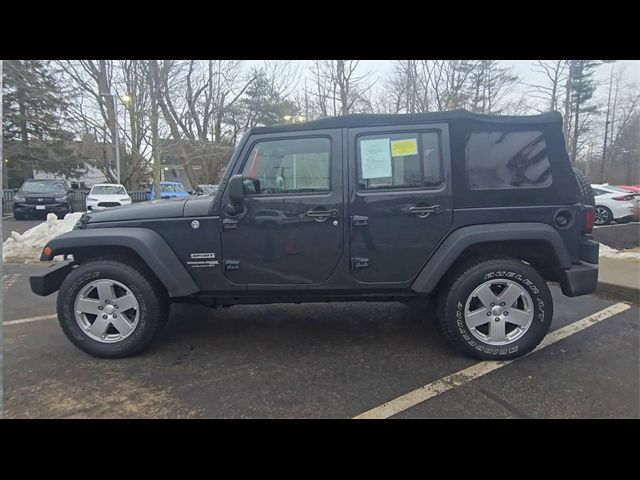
40,197
107,195
168,190
206,189
630,188
613,203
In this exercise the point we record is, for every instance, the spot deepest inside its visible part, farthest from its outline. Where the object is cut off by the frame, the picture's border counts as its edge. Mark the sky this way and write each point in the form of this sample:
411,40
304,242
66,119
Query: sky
522,68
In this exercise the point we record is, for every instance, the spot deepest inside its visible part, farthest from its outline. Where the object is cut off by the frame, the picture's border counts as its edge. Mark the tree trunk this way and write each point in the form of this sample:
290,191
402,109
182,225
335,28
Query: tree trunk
576,118
606,129
567,105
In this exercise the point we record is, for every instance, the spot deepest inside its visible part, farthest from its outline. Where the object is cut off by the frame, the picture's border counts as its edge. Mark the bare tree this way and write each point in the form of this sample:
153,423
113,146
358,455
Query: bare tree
337,89
554,73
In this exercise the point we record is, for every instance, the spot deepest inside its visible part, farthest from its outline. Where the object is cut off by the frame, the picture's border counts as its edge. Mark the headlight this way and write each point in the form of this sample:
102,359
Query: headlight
17,199
61,199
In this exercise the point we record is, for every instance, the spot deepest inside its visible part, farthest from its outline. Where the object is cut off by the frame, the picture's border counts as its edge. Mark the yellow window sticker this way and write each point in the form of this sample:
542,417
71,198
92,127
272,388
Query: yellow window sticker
400,148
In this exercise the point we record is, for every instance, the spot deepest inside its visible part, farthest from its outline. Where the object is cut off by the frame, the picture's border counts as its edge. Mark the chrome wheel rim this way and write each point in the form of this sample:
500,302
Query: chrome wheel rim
600,216
106,311
499,312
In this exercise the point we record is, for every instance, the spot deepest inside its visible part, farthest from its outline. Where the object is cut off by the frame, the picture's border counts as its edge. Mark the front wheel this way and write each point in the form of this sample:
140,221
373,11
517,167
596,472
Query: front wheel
109,309
497,309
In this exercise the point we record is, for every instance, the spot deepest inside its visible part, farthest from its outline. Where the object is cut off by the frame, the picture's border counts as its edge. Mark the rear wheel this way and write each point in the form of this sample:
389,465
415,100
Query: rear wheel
602,215
109,309
19,216
496,309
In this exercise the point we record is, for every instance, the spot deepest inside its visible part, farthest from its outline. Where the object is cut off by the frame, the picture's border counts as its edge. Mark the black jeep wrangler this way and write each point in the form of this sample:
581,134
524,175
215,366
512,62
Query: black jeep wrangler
472,213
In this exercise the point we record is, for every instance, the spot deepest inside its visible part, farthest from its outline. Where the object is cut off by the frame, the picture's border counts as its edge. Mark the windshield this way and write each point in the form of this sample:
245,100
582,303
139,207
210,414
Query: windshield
172,188
43,187
108,190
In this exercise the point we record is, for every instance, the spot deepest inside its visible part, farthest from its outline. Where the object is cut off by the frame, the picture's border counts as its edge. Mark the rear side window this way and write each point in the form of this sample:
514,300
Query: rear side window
399,160
507,160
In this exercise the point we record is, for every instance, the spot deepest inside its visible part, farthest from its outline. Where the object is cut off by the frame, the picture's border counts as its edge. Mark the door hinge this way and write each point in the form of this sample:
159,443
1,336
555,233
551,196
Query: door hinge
359,262
231,265
229,224
359,220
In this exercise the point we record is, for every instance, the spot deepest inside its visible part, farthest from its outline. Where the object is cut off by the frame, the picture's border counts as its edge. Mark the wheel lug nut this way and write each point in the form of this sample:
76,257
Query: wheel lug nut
492,304
506,313
488,314
100,307
115,315
497,319
115,306
502,304
106,301
104,316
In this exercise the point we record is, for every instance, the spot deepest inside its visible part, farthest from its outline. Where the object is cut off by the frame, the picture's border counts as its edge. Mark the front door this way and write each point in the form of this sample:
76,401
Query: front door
400,199
291,231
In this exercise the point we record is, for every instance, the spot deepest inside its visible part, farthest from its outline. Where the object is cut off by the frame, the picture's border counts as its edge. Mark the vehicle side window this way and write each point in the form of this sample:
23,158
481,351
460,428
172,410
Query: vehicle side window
399,160
597,191
299,165
501,159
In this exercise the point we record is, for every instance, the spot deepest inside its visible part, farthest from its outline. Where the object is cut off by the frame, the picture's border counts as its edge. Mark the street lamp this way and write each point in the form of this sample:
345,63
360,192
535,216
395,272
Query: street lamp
293,118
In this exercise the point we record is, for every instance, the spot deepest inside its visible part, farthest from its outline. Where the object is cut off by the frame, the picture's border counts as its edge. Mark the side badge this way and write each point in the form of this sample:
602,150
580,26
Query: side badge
195,224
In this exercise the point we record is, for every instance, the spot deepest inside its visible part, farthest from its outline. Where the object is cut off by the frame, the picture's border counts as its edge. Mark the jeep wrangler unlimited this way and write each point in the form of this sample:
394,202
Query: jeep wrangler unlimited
472,213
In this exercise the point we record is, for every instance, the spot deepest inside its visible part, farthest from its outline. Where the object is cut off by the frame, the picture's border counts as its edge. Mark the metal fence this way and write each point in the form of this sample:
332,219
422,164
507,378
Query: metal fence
79,198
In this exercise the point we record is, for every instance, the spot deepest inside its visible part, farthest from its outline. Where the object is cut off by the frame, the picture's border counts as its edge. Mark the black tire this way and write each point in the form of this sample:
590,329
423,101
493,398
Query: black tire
151,297
602,215
19,216
458,289
586,192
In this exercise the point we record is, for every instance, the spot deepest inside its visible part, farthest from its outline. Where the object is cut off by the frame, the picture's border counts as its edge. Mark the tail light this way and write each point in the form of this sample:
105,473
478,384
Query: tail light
588,220
624,198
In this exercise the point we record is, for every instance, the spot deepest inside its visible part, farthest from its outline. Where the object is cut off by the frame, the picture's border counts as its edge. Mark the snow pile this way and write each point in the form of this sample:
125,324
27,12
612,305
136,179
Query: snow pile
606,251
26,247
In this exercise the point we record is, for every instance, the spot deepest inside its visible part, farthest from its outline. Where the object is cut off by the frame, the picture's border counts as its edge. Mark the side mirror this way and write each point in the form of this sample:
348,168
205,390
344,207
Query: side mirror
236,188
71,191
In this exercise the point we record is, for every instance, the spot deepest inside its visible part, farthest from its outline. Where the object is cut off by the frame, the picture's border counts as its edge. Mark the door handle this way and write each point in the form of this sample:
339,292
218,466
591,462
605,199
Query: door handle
425,211
322,215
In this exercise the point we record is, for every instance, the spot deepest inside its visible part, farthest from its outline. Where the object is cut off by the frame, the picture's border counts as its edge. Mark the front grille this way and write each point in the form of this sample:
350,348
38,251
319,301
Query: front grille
40,200
109,204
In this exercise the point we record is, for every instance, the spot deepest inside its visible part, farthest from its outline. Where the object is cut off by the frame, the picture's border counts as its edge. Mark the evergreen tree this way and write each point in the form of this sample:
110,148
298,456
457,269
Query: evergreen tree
489,85
32,133
582,88
261,105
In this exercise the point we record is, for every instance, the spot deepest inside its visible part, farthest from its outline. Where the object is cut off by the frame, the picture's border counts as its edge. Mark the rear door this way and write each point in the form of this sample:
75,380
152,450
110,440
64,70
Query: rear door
292,231
400,204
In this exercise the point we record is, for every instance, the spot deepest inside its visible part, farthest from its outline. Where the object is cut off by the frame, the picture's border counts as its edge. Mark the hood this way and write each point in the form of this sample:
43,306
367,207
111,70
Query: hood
140,211
43,195
108,198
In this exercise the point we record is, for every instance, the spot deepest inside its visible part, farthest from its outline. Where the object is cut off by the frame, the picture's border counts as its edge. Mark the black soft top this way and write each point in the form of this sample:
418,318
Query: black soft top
366,120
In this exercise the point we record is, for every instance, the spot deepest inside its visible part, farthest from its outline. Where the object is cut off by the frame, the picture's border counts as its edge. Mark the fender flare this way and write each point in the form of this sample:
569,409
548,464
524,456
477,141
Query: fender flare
459,240
148,244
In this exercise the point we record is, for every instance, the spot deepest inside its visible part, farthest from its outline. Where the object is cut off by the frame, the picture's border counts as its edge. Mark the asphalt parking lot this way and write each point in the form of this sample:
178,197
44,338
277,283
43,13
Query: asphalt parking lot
316,361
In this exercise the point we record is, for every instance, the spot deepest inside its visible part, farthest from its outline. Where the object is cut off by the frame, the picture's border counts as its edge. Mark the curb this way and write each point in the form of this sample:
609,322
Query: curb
619,292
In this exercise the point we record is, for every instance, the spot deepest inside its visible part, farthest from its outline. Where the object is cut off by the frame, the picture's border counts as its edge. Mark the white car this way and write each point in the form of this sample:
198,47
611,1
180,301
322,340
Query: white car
107,195
613,203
